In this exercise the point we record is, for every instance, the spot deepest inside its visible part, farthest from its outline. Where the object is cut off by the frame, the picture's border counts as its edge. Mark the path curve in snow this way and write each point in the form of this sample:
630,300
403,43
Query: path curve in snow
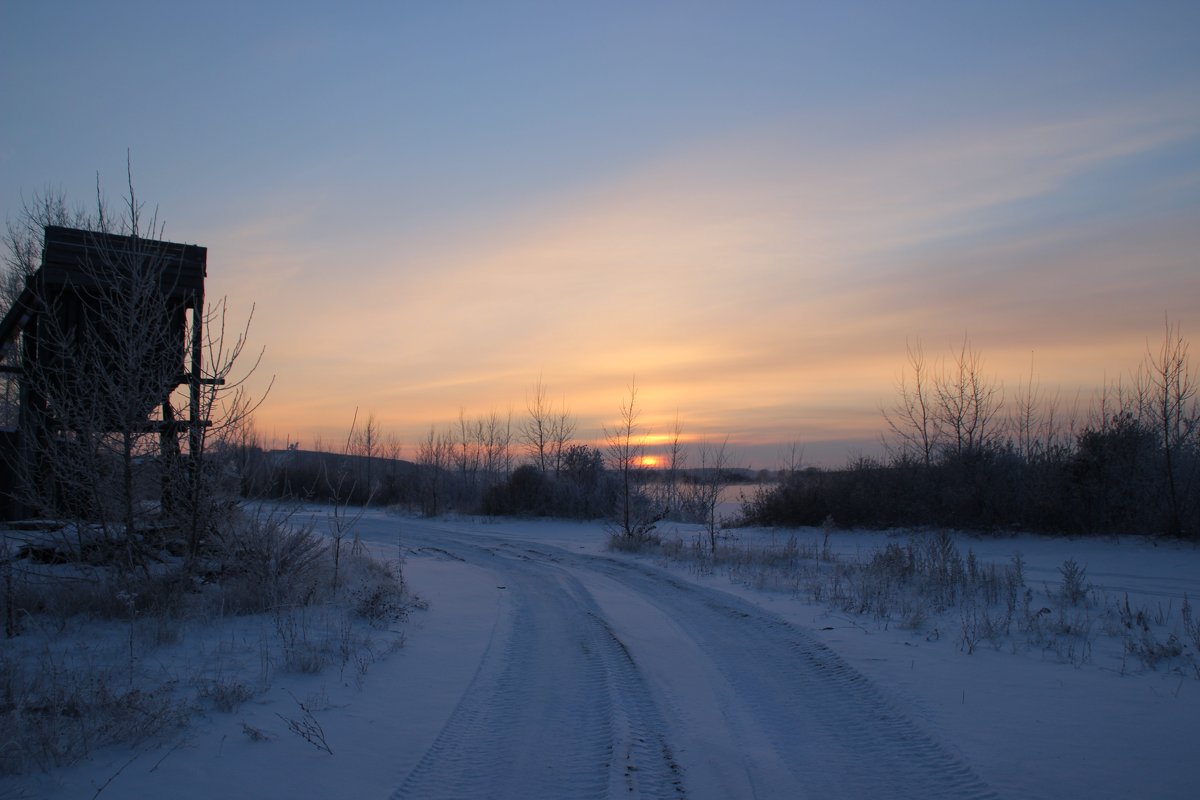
561,706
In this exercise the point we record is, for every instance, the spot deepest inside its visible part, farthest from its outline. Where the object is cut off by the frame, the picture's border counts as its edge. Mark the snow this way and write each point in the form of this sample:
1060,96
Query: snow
545,666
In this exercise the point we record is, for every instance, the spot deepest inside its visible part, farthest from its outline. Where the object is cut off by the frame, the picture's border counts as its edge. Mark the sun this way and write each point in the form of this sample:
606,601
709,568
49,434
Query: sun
650,462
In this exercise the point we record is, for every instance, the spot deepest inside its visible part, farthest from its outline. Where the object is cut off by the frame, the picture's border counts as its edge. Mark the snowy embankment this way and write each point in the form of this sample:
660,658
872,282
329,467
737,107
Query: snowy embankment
546,666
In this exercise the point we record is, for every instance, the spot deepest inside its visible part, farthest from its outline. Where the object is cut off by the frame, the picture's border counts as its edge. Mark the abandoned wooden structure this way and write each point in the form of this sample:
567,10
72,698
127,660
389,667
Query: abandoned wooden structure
63,318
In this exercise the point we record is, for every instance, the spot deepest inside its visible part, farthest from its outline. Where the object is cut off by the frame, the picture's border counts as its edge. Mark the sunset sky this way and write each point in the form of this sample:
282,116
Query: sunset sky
749,206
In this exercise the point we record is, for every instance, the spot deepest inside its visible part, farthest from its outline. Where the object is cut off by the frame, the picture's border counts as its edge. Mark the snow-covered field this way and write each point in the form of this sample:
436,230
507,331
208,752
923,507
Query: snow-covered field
548,667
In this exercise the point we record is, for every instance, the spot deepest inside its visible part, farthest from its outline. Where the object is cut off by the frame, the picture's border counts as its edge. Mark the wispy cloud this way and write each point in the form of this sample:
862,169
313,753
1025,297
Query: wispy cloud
758,275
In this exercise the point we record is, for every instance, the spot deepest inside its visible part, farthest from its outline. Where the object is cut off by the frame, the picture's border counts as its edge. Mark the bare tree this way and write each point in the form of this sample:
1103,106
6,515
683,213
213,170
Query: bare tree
497,446
792,460
391,450
343,486
546,432
714,461
23,237
676,461
433,457
625,449
220,398
914,418
1034,421
467,450
968,404
1169,388
562,432
367,443
535,429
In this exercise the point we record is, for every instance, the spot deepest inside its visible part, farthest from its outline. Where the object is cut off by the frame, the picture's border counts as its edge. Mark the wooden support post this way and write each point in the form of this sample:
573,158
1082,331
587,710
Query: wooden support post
195,377
196,423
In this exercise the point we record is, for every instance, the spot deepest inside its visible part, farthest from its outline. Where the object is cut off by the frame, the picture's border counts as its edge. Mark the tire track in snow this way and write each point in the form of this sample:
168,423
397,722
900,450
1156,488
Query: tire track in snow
557,707
837,733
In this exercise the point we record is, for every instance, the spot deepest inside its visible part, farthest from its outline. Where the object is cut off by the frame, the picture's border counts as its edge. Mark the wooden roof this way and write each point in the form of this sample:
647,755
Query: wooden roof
80,258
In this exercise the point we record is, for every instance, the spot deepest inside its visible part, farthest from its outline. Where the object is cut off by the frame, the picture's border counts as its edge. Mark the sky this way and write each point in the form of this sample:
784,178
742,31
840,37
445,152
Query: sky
746,209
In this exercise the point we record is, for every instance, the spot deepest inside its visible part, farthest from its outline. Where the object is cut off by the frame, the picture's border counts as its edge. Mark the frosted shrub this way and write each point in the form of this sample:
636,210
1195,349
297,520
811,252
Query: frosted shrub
1074,587
267,562
1146,647
672,549
226,695
943,567
375,590
53,714
1191,627
640,537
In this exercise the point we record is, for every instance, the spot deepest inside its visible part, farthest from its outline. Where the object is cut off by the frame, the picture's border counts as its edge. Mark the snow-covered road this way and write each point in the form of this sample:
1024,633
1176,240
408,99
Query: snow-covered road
605,677
557,707
547,667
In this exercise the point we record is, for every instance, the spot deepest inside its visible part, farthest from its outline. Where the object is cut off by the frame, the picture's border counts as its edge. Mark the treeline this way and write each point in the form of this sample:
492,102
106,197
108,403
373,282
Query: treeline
495,465
959,455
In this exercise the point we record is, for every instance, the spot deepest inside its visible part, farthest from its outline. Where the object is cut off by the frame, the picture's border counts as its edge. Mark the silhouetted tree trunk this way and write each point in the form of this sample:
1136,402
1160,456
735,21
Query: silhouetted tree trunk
1175,414
625,450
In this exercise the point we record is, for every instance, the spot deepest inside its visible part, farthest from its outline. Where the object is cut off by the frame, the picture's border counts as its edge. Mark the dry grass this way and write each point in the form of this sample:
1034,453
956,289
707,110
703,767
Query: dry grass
926,585
100,657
